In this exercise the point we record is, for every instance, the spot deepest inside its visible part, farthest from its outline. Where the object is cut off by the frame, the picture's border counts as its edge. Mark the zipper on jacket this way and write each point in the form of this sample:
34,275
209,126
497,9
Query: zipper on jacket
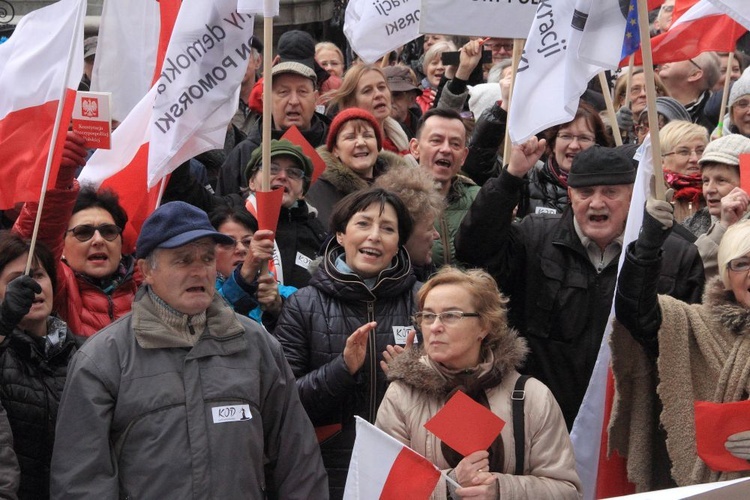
110,307
372,411
445,239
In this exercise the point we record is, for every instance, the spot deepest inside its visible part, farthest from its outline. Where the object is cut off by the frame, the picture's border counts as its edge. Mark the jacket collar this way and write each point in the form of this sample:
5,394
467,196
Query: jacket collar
733,316
222,326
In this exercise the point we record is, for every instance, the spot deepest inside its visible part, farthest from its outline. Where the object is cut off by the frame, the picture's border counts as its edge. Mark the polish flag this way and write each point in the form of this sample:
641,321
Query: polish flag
739,10
703,27
384,468
40,68
185,113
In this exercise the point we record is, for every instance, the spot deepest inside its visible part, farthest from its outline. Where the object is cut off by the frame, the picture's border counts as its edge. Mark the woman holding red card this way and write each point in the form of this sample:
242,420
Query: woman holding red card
667,354
469,347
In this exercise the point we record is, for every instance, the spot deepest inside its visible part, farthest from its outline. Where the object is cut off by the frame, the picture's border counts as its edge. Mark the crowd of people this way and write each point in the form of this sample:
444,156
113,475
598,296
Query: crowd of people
223,359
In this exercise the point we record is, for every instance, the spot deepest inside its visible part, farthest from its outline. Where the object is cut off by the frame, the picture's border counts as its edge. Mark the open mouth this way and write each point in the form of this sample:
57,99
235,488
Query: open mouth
443,163
598,218
196,289
98,257
370,252
280,186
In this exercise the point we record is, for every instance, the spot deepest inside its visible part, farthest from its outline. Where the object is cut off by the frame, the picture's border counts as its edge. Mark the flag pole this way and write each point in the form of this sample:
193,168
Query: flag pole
265,173
518,44
162,187
53,141
448,478
653,120
725,94
610,108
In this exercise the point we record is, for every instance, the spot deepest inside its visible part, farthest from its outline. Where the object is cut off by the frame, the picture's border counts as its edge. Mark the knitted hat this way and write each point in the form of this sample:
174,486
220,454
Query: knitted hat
352,114
175,224
601,166
299,46
739,88
281,147
726,150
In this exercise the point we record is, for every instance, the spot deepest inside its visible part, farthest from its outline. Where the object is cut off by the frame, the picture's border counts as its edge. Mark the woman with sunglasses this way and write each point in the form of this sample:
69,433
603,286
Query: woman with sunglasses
359,303
35,351
469,347
83,227
689,352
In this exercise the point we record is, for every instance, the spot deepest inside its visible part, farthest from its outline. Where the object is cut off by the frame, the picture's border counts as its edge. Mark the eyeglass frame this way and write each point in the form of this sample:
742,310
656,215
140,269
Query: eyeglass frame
420,316
732,263
95,229
563,136
244,241
299,174
689,154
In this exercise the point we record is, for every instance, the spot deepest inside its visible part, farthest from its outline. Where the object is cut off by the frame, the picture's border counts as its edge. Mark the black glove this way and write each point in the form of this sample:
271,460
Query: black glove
625,119
19,296
658,220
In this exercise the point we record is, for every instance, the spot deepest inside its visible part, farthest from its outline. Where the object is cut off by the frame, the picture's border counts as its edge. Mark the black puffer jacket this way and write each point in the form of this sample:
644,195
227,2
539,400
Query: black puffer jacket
558,300
232,176
313,327
31,383
544,194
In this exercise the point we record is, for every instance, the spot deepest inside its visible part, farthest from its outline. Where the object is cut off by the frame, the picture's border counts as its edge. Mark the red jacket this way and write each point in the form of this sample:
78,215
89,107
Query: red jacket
84,307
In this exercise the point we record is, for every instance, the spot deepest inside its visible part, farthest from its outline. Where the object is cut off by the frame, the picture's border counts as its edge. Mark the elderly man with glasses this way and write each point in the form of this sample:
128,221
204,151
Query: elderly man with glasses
690,83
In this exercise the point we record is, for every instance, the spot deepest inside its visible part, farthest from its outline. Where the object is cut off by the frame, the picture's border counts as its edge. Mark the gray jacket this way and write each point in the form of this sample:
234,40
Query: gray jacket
144,415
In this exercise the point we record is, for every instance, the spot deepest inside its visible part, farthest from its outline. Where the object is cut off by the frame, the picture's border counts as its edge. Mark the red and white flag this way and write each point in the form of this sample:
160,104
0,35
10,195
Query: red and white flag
384,468
739,10
703,27
40,67
586,435
126,52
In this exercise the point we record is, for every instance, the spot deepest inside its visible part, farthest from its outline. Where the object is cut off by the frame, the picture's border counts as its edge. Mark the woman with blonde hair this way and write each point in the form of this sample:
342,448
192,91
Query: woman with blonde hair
682,145
434,69
467,346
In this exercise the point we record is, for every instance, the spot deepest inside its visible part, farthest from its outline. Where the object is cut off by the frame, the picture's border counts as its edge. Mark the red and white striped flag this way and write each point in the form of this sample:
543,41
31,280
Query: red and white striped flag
739,10
384,468
40,67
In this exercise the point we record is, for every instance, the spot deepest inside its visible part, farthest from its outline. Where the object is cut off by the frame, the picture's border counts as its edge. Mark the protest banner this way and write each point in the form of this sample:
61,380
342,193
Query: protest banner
373,29
506,19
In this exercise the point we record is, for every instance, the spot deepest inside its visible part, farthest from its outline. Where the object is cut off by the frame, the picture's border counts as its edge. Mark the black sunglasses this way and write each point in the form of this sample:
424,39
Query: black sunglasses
84,232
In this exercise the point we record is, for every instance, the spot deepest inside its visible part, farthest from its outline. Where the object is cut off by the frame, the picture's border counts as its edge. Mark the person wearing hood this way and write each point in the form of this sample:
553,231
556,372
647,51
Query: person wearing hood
737,120
667,110
354,158
469,347
359,303
296,78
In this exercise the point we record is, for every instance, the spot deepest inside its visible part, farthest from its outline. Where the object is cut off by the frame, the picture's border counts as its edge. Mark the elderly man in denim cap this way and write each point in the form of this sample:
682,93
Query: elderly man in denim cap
559,270
183,398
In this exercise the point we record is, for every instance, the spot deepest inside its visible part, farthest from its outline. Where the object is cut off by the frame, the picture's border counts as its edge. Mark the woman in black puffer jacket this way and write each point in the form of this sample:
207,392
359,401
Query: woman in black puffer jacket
360,301
34,355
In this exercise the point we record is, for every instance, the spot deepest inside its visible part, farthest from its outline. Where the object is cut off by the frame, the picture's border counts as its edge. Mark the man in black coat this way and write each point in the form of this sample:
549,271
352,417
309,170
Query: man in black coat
560,270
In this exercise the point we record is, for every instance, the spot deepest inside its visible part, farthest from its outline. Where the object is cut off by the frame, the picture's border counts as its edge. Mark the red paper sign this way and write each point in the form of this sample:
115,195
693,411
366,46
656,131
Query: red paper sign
745,172
714,423
294,136
465,425
269,208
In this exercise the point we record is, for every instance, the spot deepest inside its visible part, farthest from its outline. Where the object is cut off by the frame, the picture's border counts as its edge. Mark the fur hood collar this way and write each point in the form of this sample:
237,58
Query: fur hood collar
416,370
723,305
345,180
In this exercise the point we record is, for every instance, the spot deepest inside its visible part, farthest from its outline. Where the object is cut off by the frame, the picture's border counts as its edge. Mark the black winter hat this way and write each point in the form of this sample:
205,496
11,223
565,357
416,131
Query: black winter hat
299,46
601,166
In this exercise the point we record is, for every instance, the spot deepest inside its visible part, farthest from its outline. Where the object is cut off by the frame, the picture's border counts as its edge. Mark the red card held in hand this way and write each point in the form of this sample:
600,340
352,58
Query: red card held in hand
714,423
465,425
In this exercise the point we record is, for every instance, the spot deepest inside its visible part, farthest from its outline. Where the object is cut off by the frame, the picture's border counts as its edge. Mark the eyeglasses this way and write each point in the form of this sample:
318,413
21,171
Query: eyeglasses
447,318
741,105
741,265
291,172
583,140
84,232
637,89
496,46
695,64
245,242
686,152
641,129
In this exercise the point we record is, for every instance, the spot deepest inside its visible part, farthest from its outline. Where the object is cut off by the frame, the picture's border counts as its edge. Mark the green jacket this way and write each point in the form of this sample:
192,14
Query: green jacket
459,199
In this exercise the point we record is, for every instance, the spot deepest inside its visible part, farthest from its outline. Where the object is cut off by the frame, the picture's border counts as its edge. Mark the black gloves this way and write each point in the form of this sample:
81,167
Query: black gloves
658,219
19,296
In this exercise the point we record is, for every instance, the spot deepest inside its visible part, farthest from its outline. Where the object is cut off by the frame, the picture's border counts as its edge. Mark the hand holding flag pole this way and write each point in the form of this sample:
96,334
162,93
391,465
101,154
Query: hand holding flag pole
610,108
725,93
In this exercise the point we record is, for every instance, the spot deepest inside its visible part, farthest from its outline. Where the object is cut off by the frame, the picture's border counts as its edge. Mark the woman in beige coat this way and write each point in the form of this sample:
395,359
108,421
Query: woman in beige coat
469,347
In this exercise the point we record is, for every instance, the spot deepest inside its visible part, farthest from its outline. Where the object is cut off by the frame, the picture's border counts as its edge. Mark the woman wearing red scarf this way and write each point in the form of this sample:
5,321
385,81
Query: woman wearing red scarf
683,144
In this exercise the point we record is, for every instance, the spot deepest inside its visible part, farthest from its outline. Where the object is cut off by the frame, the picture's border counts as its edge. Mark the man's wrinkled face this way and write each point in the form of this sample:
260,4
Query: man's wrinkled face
441,147
601,211
294,99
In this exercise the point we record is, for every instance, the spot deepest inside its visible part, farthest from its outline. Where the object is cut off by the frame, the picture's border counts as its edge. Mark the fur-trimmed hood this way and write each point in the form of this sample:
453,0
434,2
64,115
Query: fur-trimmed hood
345,180
415,369
733,316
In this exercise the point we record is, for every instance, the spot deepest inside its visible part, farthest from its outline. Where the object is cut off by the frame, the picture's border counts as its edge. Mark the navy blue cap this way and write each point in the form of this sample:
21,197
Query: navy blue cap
175,224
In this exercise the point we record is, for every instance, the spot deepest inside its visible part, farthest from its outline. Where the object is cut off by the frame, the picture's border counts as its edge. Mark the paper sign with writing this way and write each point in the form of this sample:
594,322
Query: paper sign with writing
506,19
92,119
374,28
465,425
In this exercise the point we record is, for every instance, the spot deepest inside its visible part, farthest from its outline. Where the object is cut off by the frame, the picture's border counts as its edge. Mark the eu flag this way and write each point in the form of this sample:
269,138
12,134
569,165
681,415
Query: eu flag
632,37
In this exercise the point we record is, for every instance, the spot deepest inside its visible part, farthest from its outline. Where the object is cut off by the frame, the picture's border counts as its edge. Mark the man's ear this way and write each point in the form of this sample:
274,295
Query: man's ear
414,148
145,270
